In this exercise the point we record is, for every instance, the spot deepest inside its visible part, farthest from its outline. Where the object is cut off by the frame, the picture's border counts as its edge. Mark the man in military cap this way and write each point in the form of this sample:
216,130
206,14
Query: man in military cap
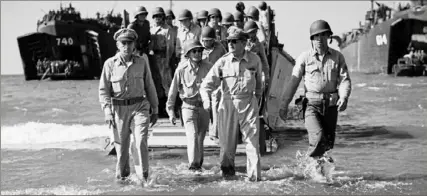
253,45
126,92
142,28
186,83
238,74
186,31
213,51
327,87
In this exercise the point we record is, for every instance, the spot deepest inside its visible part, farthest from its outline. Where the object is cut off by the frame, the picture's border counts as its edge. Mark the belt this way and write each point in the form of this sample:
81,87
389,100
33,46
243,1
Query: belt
313,95
129,101
196,103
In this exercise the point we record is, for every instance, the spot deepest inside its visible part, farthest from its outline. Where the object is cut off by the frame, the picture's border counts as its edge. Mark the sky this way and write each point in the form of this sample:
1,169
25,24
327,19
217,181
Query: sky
293,19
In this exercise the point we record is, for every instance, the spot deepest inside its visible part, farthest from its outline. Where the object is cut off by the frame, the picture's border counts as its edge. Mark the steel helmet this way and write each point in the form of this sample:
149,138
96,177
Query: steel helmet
202,15
319,26
228,18
158,11
240,6
253,12
169,12
215,12
238,16
191,44
185,14
250,26
262,6
208,33
140,10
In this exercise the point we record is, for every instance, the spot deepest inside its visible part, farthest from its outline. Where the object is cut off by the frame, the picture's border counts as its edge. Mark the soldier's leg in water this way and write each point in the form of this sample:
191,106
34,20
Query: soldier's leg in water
142,121
330,124
203,123
249,123
228,132
122,119
313,124
189,116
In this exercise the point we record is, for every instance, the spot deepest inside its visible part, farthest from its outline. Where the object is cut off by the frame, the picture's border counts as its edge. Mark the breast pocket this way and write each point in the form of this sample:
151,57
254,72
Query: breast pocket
117,83
312,73
138,80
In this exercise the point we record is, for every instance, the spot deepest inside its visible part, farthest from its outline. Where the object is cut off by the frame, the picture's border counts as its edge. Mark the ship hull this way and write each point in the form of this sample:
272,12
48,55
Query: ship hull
378,50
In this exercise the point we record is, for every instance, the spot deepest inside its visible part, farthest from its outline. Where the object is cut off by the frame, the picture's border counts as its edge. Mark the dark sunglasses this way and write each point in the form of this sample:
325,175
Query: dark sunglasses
197,51
233,41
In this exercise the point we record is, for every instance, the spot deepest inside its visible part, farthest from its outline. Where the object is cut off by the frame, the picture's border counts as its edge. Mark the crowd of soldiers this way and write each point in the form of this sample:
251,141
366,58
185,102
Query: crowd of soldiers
69,67
216,65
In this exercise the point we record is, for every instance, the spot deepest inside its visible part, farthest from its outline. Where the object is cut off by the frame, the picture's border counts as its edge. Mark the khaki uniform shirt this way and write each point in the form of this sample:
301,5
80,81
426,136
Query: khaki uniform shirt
184,34
323,76
161,39
186,81
233,76
123,81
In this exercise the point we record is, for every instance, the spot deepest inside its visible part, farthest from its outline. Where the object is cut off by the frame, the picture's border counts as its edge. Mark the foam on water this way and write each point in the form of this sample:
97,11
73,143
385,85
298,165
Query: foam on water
35,133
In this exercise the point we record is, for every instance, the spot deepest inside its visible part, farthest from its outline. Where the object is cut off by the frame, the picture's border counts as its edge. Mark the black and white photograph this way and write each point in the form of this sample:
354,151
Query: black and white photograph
225,97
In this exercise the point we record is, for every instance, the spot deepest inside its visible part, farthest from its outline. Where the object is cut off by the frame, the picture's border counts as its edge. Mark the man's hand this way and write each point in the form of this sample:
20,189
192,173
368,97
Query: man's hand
153,119
109,119
172,119
207,105
283,112
342,104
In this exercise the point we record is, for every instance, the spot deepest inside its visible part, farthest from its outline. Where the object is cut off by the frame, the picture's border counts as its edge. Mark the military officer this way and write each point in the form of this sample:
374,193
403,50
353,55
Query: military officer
186,81
327,89
213,51
126,92
238,74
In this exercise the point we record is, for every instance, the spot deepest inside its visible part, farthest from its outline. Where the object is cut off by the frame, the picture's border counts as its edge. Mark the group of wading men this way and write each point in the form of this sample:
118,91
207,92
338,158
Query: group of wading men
221,73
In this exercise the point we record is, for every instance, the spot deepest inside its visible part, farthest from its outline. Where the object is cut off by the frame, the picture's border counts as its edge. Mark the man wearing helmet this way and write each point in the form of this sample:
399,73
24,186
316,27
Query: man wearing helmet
253,15
186,82
238,75
214,18
126,92
142,28
239,19
213,51
327,89
227,20
202,18
161,44
187,30
253,45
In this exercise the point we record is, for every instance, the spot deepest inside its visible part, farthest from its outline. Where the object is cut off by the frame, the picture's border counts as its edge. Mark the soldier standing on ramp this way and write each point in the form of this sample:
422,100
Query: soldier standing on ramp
142,28
161,44
327,89
186,82
213,51
126,92
238,74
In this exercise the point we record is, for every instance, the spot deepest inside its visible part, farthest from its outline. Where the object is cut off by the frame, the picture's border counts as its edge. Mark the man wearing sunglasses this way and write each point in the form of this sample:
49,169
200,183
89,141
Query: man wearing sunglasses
327,87
186,82
238,75
142,28
126,92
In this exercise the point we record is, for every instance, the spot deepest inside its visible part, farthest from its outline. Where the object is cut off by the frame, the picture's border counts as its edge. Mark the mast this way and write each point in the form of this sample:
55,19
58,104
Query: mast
170,4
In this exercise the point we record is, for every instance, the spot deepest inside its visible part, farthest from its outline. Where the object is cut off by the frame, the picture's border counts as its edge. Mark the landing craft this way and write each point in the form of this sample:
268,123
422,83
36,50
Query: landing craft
66,46
381,43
